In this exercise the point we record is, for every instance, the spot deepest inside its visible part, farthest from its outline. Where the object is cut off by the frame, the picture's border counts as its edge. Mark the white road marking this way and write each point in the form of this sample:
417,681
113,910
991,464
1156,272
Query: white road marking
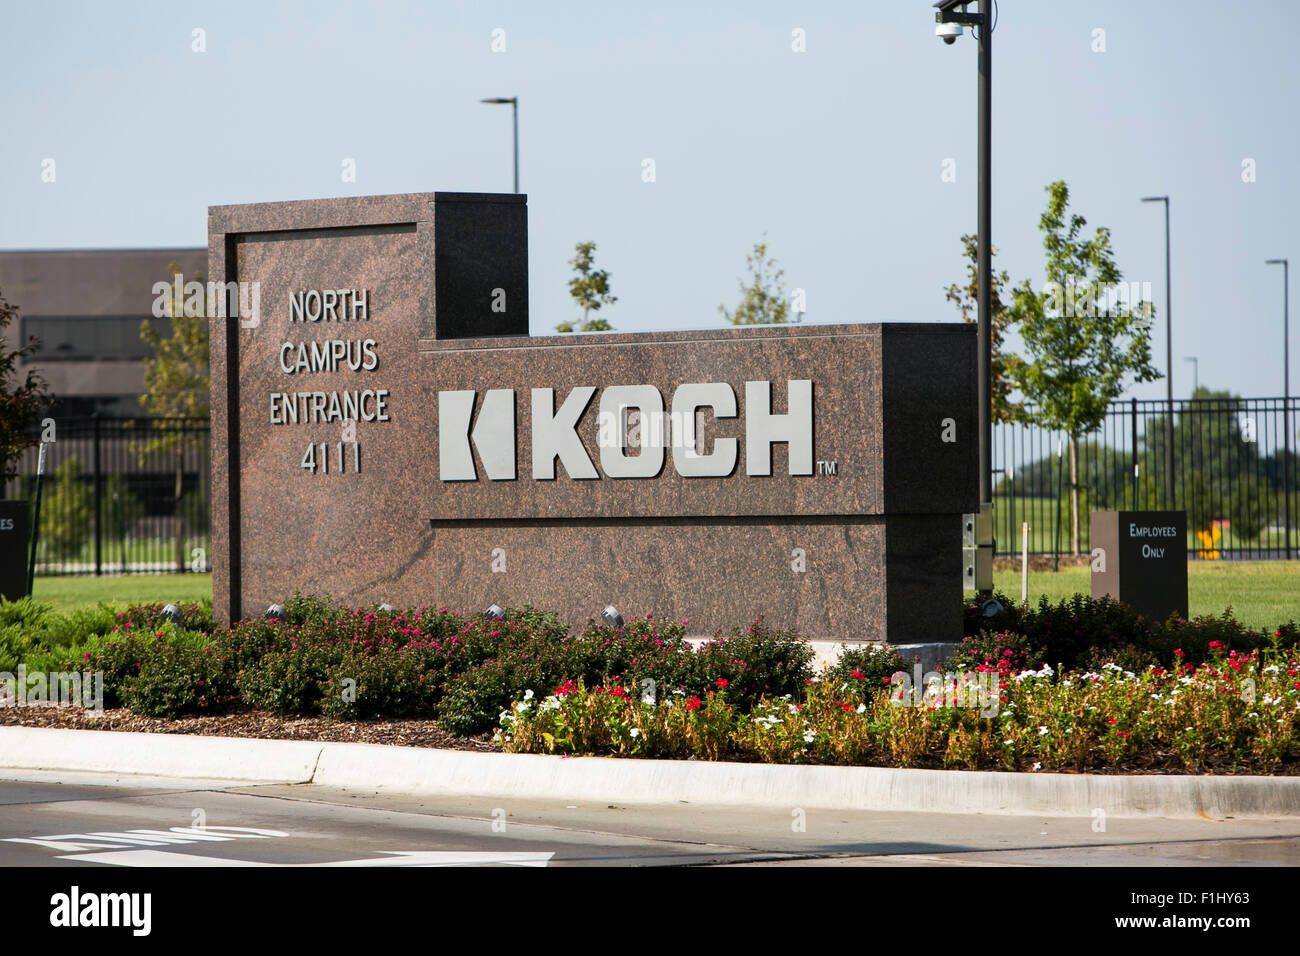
112,839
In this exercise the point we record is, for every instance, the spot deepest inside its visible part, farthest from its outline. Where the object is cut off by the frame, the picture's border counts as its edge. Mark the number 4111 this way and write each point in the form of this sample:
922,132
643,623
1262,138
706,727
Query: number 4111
317,458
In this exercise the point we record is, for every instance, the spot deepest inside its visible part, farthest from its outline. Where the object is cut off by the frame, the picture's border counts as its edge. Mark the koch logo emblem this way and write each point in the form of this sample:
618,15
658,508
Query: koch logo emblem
623,409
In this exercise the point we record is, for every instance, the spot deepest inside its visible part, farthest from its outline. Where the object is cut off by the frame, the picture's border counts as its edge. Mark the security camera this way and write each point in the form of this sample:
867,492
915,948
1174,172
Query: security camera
948,32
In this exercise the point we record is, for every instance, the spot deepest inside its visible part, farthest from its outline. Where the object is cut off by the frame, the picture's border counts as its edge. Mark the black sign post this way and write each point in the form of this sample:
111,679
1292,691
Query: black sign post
1140,559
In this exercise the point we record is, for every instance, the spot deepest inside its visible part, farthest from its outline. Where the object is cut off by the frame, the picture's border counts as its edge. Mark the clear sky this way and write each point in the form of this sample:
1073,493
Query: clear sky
836,153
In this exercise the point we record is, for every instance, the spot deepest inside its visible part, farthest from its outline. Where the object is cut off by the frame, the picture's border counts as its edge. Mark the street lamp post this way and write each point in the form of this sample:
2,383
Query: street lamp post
950,17
514,109
1286,395
1169,361
1195,378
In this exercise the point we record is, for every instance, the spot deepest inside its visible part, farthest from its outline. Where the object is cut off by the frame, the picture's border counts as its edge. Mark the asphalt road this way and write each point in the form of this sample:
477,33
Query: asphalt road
51,819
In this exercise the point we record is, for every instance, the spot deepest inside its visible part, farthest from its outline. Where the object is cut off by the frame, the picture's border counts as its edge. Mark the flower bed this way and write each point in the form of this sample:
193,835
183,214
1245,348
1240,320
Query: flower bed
1120,694
1236,713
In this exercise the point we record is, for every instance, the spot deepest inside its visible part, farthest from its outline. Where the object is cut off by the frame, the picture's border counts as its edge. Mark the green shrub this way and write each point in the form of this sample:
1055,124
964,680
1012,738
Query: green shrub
748,664
865,671
288,680
25,613
392,682
1128,657
756,663
997,649
175,680
148,617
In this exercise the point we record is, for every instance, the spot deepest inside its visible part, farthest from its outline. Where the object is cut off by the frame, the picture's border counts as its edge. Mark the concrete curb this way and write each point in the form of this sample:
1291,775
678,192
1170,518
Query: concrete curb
162,755
417,770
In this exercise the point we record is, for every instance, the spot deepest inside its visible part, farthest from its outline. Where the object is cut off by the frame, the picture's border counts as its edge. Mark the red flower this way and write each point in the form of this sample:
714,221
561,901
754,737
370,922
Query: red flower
1120,733
1216,643
1112,721
858,674
722,682
693,703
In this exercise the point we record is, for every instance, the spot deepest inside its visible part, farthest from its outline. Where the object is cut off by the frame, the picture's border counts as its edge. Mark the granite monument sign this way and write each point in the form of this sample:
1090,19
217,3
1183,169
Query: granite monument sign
386,430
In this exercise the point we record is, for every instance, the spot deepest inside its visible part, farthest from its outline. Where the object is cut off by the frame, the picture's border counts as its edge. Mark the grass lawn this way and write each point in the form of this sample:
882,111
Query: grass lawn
1261,593
69,593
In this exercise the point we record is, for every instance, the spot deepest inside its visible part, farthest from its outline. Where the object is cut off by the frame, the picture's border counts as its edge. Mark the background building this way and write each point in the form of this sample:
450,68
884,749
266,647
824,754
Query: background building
85,307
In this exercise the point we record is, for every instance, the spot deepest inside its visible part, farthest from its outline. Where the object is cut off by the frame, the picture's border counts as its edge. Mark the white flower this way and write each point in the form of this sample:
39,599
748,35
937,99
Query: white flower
1042,731
636,732
528,695
861,708
809,736
1007,741
1270,669
1038,766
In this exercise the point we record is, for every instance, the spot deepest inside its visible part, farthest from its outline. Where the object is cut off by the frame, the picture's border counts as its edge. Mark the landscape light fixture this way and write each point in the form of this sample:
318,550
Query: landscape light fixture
387,609
611,616
514,109
992,607
495,612
275,612
171,613
950,16
1169,362
1286,394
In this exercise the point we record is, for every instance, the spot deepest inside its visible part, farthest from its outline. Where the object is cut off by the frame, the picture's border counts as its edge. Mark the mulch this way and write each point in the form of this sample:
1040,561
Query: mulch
255,723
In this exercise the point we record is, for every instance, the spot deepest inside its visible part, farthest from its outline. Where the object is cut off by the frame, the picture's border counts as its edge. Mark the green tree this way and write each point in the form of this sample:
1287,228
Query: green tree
763,301
1083,351
176,379
966,298
67,511
1216,467
21,398
589,289
1252,505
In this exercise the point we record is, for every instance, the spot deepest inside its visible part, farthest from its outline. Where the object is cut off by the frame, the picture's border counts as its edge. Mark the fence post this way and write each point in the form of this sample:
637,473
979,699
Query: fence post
1286,469
99,505
1133,404
1060,477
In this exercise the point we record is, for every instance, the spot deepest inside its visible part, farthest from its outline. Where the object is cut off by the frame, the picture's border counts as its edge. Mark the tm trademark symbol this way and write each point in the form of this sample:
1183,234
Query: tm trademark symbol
825,467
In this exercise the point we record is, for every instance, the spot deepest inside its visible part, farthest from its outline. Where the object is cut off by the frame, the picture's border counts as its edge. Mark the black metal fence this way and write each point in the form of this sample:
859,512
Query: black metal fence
121,495
1226,461
134,494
